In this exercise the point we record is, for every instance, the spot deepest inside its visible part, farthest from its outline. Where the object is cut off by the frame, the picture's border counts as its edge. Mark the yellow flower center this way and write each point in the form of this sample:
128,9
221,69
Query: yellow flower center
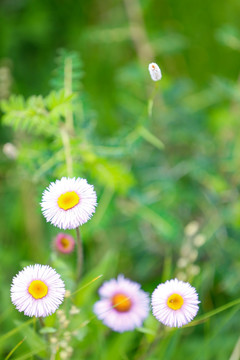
38,289
175,301
65,243
68,200
121,302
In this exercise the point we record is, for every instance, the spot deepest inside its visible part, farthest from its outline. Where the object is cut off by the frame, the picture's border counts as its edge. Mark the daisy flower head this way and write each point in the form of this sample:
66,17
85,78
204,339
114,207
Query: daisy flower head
123,305
68,203
37,290
155,71
175,303
64,243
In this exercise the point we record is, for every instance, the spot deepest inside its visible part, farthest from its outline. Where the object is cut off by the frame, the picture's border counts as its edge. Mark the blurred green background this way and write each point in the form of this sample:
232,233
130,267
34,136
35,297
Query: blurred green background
164,210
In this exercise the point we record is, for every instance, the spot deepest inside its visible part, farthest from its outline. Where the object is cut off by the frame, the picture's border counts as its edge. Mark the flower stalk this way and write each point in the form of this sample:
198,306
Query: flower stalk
79,255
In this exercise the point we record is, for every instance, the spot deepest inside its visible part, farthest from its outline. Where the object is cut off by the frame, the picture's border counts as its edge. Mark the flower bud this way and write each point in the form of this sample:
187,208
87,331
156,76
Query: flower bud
155,71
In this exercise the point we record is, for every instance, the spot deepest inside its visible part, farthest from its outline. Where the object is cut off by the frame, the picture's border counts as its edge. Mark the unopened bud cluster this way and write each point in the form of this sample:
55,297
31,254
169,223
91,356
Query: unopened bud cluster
189,252
60,342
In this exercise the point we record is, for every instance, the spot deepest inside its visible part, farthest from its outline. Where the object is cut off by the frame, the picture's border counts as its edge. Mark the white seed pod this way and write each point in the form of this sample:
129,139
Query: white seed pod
182,262
53,340
67,294
64,355
155,71
63,344
10,151
199,240
182,276
191,228
193,270
65,324
74,310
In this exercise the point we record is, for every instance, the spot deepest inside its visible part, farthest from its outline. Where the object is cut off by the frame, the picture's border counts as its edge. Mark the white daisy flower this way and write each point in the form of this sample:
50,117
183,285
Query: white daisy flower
68,203
123,305
155,71
37,290
175,303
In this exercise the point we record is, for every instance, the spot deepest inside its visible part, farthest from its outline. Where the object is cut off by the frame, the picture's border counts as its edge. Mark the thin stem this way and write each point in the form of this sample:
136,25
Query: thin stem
35,323
68,91
67,150
41,321
214,312
15,330
47,165
68,129
138,31
105,200
15,348
151,99
151,346
79,255
53,356
86,285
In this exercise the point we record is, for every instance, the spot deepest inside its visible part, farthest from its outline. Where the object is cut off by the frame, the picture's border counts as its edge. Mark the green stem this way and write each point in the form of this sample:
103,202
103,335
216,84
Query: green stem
15,330
205,317
198,321
105,200
86,285
41,321
151,99
68,91
138,31
14,349
68,129
79,255
151,347
67,150
53,356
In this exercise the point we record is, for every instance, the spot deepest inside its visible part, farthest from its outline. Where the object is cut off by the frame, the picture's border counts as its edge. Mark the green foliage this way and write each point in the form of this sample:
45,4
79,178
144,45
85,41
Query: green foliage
229,36
34,341
68,63
36,115
160,159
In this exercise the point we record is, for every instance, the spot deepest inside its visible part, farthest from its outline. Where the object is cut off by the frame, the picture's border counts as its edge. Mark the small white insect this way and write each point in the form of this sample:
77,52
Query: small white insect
155,71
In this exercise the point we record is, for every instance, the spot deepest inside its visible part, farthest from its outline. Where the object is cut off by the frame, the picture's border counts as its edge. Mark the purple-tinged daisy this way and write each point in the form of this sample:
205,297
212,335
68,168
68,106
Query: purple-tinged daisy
123,305
155,71
37,290
175,303
64,243
68,203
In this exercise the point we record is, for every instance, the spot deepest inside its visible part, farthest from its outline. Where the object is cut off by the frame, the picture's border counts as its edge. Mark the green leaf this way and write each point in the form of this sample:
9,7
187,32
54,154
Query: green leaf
163,222
33,340
149,137
47,330
85,293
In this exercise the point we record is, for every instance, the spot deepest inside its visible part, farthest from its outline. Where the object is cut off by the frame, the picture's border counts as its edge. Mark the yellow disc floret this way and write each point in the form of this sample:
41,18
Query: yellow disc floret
121,302
38,289
68,200
65,243
175,301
